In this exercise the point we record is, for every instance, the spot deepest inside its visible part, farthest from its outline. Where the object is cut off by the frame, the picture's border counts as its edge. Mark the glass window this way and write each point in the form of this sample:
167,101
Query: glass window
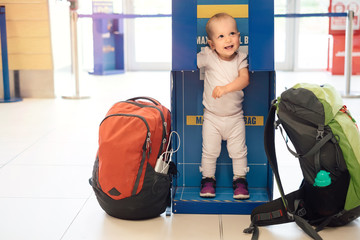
280,31
313,36
152,40
149,39
152,7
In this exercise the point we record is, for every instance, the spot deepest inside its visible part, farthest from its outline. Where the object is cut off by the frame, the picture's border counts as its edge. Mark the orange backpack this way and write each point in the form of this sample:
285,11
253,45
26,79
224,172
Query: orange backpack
132,137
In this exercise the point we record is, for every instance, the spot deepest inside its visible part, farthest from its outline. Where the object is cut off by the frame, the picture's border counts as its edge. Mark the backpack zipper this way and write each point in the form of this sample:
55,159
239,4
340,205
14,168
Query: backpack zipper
147,144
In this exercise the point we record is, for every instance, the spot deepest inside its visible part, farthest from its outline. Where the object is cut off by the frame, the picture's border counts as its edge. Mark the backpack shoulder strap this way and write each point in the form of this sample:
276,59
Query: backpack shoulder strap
269,145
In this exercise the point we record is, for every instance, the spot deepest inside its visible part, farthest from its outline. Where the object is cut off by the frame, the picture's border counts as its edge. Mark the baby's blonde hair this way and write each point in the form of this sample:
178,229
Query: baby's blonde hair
214,18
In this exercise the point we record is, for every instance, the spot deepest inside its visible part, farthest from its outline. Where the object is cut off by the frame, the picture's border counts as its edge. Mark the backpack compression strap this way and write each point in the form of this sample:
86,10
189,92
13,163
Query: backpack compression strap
277,211
315,150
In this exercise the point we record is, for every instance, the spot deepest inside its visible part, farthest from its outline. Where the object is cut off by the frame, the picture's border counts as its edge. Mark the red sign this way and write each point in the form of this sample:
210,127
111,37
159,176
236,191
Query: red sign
338,24
337,55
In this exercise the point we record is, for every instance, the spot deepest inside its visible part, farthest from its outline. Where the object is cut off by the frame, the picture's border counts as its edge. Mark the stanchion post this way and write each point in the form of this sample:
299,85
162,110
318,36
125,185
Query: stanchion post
74,50
349,33
348,50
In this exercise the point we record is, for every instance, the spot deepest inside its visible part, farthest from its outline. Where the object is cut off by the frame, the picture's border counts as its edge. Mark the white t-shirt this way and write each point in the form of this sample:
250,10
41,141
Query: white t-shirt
219,72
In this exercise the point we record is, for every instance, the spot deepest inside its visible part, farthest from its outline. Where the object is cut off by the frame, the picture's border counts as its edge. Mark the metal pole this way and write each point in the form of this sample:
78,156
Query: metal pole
348,54
4,53
74,55
5,62
74,50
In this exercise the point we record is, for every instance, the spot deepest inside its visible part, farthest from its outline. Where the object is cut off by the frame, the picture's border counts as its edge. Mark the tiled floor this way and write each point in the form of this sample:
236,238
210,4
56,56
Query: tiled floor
47,149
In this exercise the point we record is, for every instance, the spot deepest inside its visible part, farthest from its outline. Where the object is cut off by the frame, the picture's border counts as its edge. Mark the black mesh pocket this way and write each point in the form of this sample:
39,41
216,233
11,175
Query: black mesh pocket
326,201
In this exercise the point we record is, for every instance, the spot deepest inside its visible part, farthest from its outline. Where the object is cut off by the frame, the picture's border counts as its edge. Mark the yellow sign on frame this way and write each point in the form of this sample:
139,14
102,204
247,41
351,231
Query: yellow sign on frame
197,120
236,11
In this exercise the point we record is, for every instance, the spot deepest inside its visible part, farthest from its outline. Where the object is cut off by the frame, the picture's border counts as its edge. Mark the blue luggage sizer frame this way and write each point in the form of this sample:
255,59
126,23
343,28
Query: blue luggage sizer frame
255,21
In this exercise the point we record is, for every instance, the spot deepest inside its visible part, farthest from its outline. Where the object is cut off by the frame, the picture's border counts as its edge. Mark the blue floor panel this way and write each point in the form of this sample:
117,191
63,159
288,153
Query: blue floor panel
187,200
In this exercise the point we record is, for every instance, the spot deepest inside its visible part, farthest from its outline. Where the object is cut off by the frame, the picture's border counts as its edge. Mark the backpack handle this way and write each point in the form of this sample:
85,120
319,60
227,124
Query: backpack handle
156,102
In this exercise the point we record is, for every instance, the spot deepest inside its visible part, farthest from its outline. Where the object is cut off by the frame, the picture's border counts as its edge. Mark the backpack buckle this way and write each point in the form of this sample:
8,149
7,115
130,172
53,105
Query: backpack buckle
320,132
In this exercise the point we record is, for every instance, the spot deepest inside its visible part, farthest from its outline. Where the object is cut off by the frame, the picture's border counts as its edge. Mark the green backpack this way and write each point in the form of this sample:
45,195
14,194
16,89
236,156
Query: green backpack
327,144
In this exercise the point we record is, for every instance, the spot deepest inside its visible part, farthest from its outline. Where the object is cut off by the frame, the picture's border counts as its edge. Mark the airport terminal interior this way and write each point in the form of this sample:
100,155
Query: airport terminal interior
49,138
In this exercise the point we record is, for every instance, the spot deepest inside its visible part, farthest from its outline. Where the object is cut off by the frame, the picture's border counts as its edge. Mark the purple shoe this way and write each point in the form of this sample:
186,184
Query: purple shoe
240,187
208,188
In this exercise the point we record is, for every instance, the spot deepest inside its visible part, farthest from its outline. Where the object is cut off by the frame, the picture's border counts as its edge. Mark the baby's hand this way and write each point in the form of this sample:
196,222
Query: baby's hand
218,91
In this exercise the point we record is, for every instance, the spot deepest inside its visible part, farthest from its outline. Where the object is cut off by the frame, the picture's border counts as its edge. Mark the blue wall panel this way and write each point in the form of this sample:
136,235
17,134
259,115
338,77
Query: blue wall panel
261,35
184,35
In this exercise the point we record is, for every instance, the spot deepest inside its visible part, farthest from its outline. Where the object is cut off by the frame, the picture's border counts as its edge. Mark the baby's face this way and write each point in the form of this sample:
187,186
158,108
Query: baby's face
225,38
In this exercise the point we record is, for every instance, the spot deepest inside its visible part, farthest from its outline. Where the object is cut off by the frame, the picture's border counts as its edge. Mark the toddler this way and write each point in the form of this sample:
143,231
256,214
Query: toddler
226,75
